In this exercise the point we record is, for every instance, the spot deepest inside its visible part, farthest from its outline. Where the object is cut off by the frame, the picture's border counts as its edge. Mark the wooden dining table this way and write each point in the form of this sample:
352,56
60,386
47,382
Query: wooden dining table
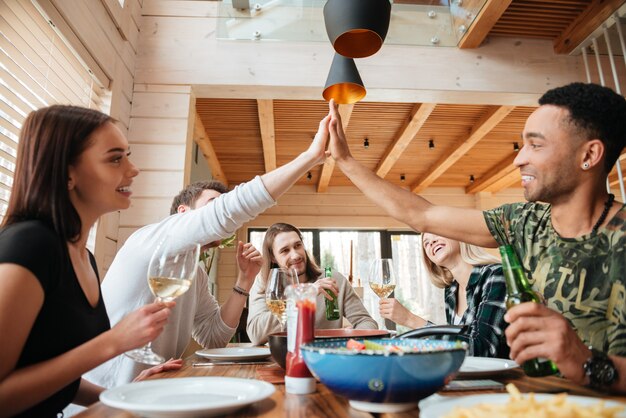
324,403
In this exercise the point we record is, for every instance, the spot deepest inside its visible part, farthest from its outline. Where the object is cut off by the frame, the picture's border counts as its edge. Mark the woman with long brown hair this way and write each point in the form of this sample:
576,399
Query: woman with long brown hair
72,167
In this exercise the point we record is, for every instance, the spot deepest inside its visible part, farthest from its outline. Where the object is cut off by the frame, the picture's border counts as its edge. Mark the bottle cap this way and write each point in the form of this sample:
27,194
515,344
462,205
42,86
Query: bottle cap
299,385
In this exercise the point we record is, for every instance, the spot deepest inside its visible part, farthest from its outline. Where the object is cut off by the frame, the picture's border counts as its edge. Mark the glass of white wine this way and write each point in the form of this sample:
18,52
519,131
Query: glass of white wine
382,278
171,270
275,298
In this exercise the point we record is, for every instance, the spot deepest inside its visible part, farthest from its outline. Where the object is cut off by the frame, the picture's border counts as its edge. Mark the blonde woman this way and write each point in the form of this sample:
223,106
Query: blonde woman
474,293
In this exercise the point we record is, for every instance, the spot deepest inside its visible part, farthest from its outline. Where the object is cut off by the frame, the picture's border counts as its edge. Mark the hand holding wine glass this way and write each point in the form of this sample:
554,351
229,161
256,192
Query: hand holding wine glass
171,270
382,278
275,298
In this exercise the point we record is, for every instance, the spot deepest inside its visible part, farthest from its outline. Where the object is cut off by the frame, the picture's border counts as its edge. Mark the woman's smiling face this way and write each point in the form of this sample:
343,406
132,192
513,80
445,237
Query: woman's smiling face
440,250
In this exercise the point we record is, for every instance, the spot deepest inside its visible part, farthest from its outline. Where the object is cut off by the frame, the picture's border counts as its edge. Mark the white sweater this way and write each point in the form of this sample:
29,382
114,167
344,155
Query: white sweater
197,313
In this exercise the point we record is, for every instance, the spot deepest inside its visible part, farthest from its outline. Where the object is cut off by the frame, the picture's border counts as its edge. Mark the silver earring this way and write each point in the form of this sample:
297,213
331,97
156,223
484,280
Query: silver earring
585,166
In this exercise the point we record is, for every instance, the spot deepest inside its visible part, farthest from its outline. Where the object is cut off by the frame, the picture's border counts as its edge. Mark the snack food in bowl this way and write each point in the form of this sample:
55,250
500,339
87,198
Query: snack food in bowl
384,375
278,341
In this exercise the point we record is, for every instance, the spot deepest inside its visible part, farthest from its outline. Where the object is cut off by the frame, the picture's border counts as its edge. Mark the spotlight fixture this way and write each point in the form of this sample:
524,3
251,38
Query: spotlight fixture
309,176
402,178
515,146
366,143
471,178
431,143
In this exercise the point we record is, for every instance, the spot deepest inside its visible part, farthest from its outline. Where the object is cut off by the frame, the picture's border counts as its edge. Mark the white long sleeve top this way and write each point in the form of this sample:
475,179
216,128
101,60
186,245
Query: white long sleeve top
197,313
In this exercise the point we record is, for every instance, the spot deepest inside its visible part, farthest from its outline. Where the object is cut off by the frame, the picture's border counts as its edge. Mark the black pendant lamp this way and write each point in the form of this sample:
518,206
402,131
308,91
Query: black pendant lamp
344,83
357,28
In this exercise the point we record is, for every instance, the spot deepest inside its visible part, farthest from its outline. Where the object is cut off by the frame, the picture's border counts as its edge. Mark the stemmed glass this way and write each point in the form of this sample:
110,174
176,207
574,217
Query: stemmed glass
382,278
275,298
171,270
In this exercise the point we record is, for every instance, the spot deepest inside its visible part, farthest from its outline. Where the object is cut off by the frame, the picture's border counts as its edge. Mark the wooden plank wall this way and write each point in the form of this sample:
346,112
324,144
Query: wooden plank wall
106,36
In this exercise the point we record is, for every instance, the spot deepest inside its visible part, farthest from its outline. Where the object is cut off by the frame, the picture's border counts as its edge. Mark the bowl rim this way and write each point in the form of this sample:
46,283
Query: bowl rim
458,346
380,333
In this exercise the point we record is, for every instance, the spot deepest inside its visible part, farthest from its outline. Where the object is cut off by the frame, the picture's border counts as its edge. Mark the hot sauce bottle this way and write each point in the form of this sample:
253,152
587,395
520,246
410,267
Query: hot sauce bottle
300,329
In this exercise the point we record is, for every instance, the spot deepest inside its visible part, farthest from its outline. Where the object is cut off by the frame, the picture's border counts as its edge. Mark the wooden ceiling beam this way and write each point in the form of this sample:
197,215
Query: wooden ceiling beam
489,121
345,111
514,177
589,20
204,143
494,175
488,16
419,115
265,109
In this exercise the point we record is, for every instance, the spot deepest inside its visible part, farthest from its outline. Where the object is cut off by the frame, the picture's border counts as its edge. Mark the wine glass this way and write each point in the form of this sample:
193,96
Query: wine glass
171,270
382,278
275,298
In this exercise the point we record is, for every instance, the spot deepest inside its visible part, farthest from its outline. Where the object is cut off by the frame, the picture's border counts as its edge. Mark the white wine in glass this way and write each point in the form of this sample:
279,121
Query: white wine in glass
172,268
382,278
275,298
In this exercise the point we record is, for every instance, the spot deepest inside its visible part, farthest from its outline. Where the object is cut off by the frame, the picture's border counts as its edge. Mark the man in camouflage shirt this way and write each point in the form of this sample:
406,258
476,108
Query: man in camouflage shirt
573,246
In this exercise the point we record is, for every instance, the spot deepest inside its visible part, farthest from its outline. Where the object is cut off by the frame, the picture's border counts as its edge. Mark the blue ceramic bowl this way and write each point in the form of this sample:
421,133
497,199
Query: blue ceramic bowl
379,381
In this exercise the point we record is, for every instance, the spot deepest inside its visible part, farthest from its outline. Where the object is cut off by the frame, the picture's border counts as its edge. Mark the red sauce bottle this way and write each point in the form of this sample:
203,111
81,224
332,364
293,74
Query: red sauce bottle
300,330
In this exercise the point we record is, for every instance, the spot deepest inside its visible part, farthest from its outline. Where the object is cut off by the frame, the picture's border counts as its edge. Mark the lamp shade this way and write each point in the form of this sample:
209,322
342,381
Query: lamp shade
357,28
344,83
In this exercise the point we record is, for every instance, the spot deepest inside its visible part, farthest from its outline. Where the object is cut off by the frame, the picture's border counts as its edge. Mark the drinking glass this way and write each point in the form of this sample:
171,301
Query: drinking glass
171,271
275,298
382,279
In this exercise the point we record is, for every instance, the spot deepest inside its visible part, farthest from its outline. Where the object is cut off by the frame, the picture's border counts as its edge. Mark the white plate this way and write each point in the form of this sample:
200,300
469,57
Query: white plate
484,366
436,406
187,396
235,353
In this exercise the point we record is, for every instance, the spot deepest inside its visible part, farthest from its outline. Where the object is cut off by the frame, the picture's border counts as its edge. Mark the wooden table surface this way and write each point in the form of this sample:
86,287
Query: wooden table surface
323,403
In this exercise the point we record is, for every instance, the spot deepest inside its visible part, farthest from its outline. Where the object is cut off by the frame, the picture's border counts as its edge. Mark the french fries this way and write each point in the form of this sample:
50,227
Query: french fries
523,406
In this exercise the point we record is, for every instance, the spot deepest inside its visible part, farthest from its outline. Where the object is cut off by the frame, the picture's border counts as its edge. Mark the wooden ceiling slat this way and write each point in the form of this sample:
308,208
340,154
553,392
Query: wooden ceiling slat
419,115
588,21
488,16
487,123
500,170
545,19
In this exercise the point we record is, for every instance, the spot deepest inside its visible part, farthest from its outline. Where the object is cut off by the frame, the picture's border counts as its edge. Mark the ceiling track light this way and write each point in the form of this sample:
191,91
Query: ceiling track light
402,178
472,178
309,176
366,143
431,144
515,146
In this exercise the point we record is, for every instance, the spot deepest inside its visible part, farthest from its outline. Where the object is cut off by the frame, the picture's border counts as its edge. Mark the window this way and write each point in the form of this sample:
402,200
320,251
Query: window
37,69
413,288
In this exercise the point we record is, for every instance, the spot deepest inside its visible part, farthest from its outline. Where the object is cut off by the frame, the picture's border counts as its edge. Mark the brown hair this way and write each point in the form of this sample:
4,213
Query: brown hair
313,271
51,140
471,254
190,194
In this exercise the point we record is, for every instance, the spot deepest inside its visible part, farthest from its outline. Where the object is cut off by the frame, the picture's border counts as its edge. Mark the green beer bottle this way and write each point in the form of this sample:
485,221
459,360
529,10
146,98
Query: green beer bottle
332,306
518,291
